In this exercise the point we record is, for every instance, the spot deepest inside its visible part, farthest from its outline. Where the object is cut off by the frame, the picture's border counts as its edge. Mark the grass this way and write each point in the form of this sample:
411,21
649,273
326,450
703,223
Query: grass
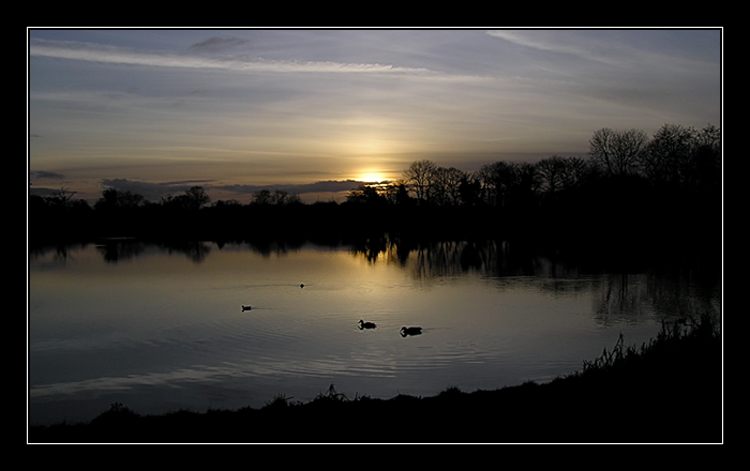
668,390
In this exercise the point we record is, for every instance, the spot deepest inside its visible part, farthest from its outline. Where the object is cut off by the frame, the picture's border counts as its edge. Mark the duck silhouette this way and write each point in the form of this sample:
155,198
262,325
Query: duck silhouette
410,331
246,307
366,325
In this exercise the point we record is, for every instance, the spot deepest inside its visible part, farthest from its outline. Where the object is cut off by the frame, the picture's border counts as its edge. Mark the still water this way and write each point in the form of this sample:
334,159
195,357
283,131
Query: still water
161,328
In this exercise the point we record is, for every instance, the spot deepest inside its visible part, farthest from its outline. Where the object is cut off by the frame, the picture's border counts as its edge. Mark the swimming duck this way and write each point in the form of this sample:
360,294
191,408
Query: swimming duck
410,331
246,307
366,325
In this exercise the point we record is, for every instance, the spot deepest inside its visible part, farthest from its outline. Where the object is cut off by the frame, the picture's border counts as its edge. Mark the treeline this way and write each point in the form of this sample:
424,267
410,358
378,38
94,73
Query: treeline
630,184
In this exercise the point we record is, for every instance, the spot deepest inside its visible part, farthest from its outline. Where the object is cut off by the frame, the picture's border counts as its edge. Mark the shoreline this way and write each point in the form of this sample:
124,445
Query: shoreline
667,391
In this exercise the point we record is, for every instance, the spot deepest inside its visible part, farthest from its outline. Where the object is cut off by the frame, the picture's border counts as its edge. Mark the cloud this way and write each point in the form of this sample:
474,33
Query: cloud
215,44
99,53
43,174
75,50
329,186
569,44
538,40
150,190
155,191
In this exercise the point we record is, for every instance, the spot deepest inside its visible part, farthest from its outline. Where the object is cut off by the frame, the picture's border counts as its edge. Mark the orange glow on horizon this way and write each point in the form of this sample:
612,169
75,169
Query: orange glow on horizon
372,176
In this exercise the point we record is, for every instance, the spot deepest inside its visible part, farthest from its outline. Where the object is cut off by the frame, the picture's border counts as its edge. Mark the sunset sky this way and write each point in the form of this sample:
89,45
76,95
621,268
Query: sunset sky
155,111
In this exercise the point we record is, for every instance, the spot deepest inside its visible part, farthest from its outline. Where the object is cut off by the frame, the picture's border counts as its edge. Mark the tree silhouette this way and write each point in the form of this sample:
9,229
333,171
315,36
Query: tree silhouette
670,181
446,186
552,172
420,175
196,197
497,179
192,200
276,198
470,190
60,199
113,199
365,194
618,152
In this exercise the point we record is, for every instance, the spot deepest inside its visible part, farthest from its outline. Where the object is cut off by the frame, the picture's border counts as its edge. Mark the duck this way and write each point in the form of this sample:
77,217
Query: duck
410,331
366,325
246,307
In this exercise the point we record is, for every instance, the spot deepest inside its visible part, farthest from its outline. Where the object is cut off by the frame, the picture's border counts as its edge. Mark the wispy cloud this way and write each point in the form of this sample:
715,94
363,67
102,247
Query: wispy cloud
214,44
240,63
253,107
639,49
109,54
550,41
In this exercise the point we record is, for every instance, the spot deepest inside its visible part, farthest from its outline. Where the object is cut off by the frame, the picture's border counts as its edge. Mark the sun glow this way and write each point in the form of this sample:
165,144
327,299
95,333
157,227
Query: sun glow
371,176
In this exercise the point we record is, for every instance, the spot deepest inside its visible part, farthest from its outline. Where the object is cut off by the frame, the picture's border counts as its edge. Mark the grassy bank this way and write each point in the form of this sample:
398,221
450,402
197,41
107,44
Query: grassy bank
666,391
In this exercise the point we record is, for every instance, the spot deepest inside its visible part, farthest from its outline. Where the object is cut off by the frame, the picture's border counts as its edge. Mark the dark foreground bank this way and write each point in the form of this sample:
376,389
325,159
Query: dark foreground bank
667,391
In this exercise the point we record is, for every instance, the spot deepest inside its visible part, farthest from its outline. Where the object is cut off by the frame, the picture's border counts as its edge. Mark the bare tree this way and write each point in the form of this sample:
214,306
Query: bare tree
559,173
470,189
113,199
497,179
421,176
60,199
446,186
618,152
277,198
365,194
526,186
196,197
552,172
576,170
668,154
707,156
396,192
193,199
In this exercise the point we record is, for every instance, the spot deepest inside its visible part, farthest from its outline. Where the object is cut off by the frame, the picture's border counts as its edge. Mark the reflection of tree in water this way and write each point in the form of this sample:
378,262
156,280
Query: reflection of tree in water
443,259
684,293
620,297
377,248
194,250
671,290
427,259
667,295
266,248
62,252
116,250
618,294
490,258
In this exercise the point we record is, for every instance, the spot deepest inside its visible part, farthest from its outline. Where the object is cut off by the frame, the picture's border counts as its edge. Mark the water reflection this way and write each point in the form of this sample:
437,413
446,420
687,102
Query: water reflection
450,258
60,253
671,291
116,250
168,317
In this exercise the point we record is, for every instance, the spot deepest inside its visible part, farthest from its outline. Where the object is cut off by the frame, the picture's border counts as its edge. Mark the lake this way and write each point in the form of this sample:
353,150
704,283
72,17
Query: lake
160,327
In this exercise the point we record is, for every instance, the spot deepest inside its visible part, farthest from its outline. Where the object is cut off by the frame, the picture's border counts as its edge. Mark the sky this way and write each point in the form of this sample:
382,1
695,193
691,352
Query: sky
313,111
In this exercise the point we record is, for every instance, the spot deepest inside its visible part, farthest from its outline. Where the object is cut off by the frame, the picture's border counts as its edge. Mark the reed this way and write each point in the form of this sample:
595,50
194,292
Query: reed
680,333
668,390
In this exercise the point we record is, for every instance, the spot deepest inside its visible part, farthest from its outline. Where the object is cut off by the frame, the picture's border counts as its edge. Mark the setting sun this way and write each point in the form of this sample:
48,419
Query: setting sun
371,176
